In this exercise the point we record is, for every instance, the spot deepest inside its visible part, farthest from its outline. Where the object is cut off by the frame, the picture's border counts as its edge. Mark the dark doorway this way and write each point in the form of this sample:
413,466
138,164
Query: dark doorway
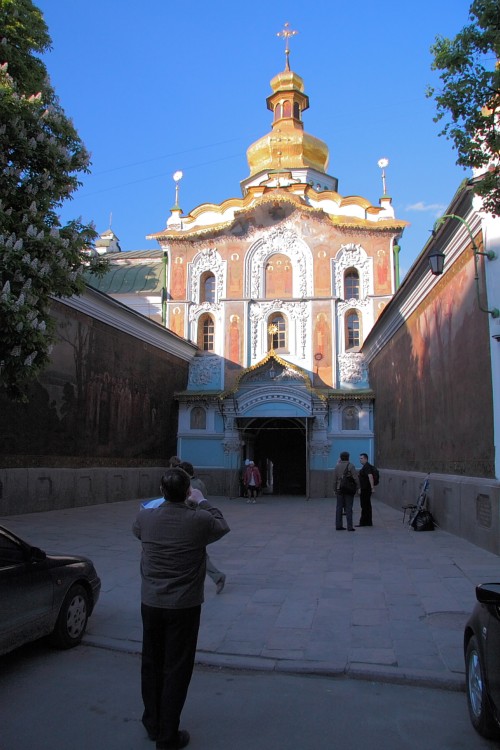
279,450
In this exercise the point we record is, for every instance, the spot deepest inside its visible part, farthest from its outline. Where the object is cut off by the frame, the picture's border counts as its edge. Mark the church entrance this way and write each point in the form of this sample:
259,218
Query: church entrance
279,448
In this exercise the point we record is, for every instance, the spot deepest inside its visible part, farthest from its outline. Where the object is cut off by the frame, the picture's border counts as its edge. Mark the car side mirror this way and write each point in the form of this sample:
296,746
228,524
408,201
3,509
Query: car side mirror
37,554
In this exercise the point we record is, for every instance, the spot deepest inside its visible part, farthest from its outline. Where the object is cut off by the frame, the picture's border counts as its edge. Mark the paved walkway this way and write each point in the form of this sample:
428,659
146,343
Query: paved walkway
382,603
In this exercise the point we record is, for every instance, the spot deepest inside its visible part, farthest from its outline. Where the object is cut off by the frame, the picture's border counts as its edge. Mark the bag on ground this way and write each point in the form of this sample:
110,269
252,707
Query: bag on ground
423,521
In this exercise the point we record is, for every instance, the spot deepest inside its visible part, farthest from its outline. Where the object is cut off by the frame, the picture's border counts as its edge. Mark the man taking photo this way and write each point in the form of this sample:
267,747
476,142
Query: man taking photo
173,565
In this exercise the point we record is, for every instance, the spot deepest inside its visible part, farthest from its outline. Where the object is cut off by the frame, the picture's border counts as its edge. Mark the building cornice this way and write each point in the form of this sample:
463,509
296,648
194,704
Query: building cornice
419,283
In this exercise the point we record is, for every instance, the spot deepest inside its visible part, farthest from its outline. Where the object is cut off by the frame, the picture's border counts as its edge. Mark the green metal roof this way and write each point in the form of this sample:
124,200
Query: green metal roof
125,279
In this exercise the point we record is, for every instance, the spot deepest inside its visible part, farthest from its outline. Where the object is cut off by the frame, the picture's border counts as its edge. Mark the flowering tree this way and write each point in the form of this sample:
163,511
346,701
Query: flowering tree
40,158
470,97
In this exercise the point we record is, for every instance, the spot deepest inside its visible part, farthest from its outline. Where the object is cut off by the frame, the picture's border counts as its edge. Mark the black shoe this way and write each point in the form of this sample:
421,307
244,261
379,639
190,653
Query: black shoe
351,529
181,741
340,528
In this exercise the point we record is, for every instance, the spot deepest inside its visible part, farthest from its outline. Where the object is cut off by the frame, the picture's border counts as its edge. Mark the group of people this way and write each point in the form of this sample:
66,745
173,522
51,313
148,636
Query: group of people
348,481
174,533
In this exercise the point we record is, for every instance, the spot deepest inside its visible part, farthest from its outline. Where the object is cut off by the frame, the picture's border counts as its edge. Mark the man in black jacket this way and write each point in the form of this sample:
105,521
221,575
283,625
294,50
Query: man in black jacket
173,565
367,482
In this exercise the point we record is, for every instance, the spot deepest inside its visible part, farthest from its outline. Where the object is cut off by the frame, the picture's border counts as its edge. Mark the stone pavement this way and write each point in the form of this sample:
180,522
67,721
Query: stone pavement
383,603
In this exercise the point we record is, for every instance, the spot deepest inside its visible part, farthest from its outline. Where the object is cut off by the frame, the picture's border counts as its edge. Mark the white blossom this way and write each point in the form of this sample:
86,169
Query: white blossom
30,359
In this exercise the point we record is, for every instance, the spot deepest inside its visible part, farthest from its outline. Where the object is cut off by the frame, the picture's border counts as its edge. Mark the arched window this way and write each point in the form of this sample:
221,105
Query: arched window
207,287
352,330
198,418
278,111
277,330
296,110
287,108
206,333
350,418
351,284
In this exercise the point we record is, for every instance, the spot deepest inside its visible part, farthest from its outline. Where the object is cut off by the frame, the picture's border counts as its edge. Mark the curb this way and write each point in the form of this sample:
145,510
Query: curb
372,673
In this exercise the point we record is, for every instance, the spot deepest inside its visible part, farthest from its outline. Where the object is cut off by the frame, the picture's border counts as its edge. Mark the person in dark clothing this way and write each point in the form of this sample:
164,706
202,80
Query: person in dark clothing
173,565
367,484
252,481
345,498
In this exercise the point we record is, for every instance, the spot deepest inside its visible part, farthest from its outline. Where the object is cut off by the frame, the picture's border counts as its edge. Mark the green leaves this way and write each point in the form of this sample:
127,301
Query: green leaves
41,156
469,101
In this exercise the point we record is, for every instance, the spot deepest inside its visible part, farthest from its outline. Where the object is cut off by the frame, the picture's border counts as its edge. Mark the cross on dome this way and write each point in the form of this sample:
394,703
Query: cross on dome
286,33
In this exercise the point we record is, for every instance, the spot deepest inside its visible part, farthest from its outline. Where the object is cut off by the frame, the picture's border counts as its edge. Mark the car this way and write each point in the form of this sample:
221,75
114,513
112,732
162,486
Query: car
482,661
43,595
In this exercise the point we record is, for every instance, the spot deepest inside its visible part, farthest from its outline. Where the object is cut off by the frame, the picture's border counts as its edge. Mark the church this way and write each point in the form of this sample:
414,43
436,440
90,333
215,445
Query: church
278,288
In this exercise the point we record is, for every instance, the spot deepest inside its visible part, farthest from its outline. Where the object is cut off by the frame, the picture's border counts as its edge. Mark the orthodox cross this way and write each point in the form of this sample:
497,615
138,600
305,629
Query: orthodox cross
286,34
279,139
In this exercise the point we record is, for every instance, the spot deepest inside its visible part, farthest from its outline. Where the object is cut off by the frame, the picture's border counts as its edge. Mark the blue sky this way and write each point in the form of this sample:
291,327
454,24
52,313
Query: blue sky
159,86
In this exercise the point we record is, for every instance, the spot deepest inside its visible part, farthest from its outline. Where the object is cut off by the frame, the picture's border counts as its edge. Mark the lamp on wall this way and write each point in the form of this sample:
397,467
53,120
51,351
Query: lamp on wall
436,258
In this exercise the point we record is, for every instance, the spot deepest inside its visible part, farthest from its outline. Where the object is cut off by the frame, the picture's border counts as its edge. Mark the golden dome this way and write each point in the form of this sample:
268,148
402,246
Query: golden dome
287,146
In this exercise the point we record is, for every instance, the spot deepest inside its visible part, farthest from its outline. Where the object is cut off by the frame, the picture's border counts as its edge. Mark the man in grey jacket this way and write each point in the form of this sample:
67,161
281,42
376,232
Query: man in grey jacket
173,565
345,470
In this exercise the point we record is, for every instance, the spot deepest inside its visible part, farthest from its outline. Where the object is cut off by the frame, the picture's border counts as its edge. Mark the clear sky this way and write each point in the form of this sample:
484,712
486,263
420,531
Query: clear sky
168,85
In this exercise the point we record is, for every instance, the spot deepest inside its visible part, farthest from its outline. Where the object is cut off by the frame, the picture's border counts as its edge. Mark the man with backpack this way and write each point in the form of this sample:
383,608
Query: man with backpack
346,483
368,476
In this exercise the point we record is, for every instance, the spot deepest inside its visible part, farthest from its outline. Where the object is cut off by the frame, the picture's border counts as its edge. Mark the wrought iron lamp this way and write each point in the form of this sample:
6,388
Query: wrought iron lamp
436,258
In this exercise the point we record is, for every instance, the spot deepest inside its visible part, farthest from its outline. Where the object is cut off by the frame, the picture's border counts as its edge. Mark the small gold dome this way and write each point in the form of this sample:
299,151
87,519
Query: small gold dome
287,146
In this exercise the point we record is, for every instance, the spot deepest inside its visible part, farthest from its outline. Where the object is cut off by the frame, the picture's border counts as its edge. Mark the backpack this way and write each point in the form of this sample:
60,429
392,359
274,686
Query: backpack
376,475
423,521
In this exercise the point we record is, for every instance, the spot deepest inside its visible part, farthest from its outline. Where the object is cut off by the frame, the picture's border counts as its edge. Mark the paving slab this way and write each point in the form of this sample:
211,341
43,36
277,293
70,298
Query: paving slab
384,602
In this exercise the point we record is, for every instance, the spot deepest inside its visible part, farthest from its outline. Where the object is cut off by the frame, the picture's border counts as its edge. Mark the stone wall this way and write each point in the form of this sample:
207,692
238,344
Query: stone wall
468,507
100,423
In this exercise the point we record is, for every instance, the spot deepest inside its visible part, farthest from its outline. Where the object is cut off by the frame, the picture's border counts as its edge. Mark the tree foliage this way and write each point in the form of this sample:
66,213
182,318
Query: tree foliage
41,156
469,100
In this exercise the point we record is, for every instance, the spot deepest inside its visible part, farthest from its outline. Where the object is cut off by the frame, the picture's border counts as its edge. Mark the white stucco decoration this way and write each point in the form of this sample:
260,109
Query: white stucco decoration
353,368
207,260
282,239
259,313
206,307
353,256
205,370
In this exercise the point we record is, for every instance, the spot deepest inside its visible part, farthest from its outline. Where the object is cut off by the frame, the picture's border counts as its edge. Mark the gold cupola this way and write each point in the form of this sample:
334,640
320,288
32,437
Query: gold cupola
287,146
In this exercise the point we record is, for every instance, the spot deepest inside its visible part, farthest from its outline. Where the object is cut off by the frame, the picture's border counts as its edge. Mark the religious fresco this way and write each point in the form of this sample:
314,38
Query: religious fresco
102,397
178,281
279,277
424,384
235,275
322,274
177,320
234,347
382,272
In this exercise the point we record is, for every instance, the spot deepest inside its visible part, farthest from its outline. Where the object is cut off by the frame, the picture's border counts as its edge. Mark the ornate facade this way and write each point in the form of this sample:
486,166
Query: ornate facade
279,288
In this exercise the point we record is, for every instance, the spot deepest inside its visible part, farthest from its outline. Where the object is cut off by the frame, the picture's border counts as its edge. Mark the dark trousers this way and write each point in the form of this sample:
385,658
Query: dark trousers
366,508
344,503
168,651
